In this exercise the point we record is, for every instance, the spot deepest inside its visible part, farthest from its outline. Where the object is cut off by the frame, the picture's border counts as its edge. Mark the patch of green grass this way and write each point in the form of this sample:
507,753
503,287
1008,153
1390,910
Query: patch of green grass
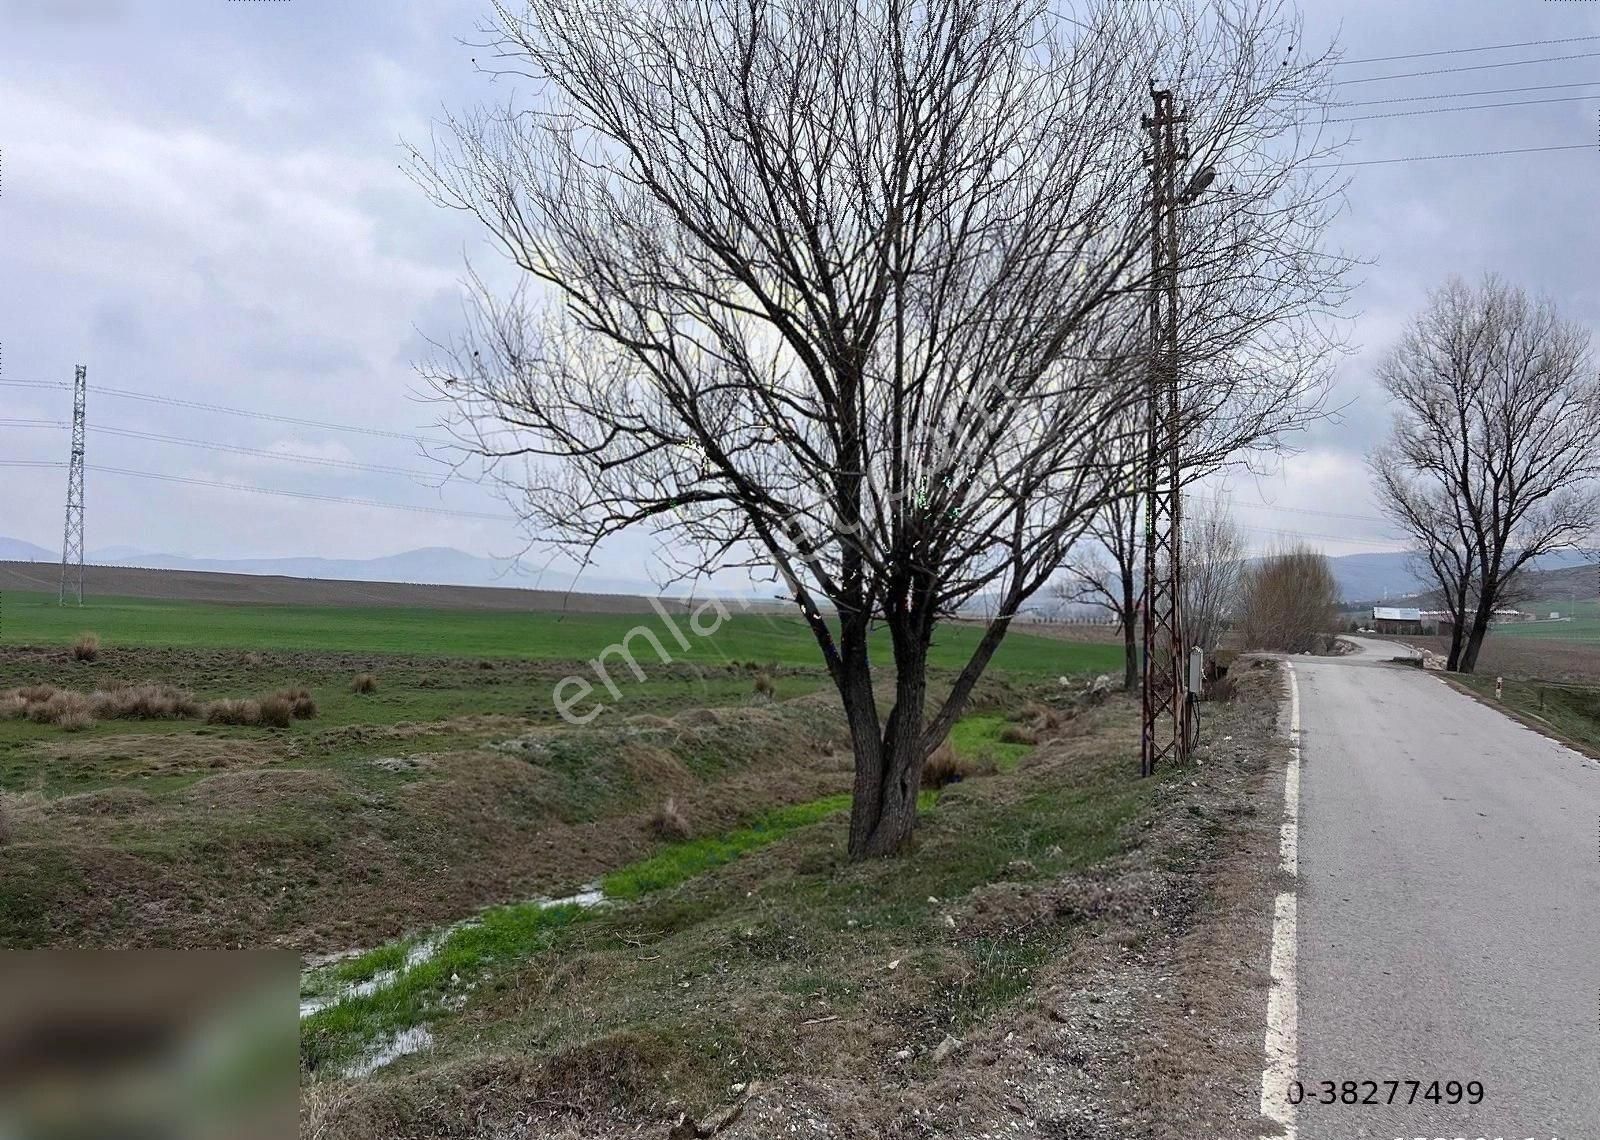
34,618
977,737
681,861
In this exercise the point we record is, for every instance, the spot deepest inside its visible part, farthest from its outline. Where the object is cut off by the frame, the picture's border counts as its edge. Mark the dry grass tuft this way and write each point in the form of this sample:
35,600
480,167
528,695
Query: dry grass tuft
669,823
63,708
143,702
87,647
13,707
364,683
302,705
1018,734
35,693
6,829
228,711
764,686
276,711
944,767
253,659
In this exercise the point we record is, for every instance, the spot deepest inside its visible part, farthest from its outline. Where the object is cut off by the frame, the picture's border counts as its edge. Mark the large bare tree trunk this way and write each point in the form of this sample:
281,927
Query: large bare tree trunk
1457,636
883,811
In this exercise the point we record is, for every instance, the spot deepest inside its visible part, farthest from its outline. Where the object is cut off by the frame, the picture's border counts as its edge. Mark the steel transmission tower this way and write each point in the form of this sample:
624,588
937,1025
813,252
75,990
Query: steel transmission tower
72,538
1165,736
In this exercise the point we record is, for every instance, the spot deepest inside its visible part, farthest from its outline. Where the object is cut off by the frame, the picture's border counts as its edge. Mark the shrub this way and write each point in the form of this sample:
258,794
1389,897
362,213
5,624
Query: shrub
86,648
1288,601
668,822
364,683
302,705
233,712
764,686
276,711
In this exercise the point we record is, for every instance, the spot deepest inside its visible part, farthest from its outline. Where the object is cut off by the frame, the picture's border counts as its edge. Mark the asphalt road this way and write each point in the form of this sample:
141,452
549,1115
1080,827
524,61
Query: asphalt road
1449,909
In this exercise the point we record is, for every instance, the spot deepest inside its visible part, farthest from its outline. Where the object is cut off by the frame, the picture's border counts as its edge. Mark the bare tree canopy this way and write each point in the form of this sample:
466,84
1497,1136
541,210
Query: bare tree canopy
1287,601
1495,446
850,290
1213,561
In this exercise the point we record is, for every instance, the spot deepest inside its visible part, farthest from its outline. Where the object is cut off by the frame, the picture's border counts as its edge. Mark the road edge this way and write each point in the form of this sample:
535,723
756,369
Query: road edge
1281,1043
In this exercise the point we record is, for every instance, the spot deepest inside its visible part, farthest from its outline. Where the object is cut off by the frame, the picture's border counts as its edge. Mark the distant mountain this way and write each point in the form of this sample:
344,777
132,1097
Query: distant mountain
1374,577
432,565
16,550
1378,578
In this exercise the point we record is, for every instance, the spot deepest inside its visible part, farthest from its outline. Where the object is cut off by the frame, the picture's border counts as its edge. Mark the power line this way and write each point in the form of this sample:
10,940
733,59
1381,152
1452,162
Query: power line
1434,157
1472,67
1476,107
49,463
1466,94
348,464
1460,51
299,494
173,401
237,449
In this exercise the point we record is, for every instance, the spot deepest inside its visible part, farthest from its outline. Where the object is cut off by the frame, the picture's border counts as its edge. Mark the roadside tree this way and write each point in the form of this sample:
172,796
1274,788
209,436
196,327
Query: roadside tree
829,290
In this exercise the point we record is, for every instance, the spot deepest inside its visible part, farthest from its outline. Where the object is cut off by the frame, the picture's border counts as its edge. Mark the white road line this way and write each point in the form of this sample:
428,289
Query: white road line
1282,1002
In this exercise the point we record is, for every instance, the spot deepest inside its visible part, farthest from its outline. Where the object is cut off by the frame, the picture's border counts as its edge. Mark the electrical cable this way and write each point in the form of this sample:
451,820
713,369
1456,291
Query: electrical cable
1435,157
1475,107
173,401
1460,51
311,495
1472,67
1465,94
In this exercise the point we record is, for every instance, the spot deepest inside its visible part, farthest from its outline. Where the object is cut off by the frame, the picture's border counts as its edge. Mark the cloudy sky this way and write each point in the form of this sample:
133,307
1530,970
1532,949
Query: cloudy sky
201,200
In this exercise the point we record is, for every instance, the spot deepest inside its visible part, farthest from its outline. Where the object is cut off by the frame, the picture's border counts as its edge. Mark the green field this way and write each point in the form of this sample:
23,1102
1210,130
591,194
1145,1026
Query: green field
1584,626
36,618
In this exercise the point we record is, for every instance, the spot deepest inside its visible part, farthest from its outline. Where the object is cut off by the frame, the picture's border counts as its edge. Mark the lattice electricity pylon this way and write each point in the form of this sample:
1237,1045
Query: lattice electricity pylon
1164,736
72,538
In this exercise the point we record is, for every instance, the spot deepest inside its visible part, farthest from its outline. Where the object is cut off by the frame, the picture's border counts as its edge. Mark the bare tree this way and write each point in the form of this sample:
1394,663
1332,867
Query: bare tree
1213,560
831,288
1492,457
1442,552
1287,601
1104,570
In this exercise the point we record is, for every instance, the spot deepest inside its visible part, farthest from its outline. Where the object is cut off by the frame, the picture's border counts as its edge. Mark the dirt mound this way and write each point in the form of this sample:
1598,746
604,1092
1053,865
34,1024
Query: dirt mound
104,801
253,791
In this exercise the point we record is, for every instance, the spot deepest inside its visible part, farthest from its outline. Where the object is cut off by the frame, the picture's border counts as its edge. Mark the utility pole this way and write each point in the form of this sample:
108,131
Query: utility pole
1165,735
72,538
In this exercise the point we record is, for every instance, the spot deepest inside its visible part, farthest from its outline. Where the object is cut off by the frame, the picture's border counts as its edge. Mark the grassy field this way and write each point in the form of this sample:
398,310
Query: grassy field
317,833
427,822
37,619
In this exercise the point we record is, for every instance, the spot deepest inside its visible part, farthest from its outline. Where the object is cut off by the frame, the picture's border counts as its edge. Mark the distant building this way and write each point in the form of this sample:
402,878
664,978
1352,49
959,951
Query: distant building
1396,619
